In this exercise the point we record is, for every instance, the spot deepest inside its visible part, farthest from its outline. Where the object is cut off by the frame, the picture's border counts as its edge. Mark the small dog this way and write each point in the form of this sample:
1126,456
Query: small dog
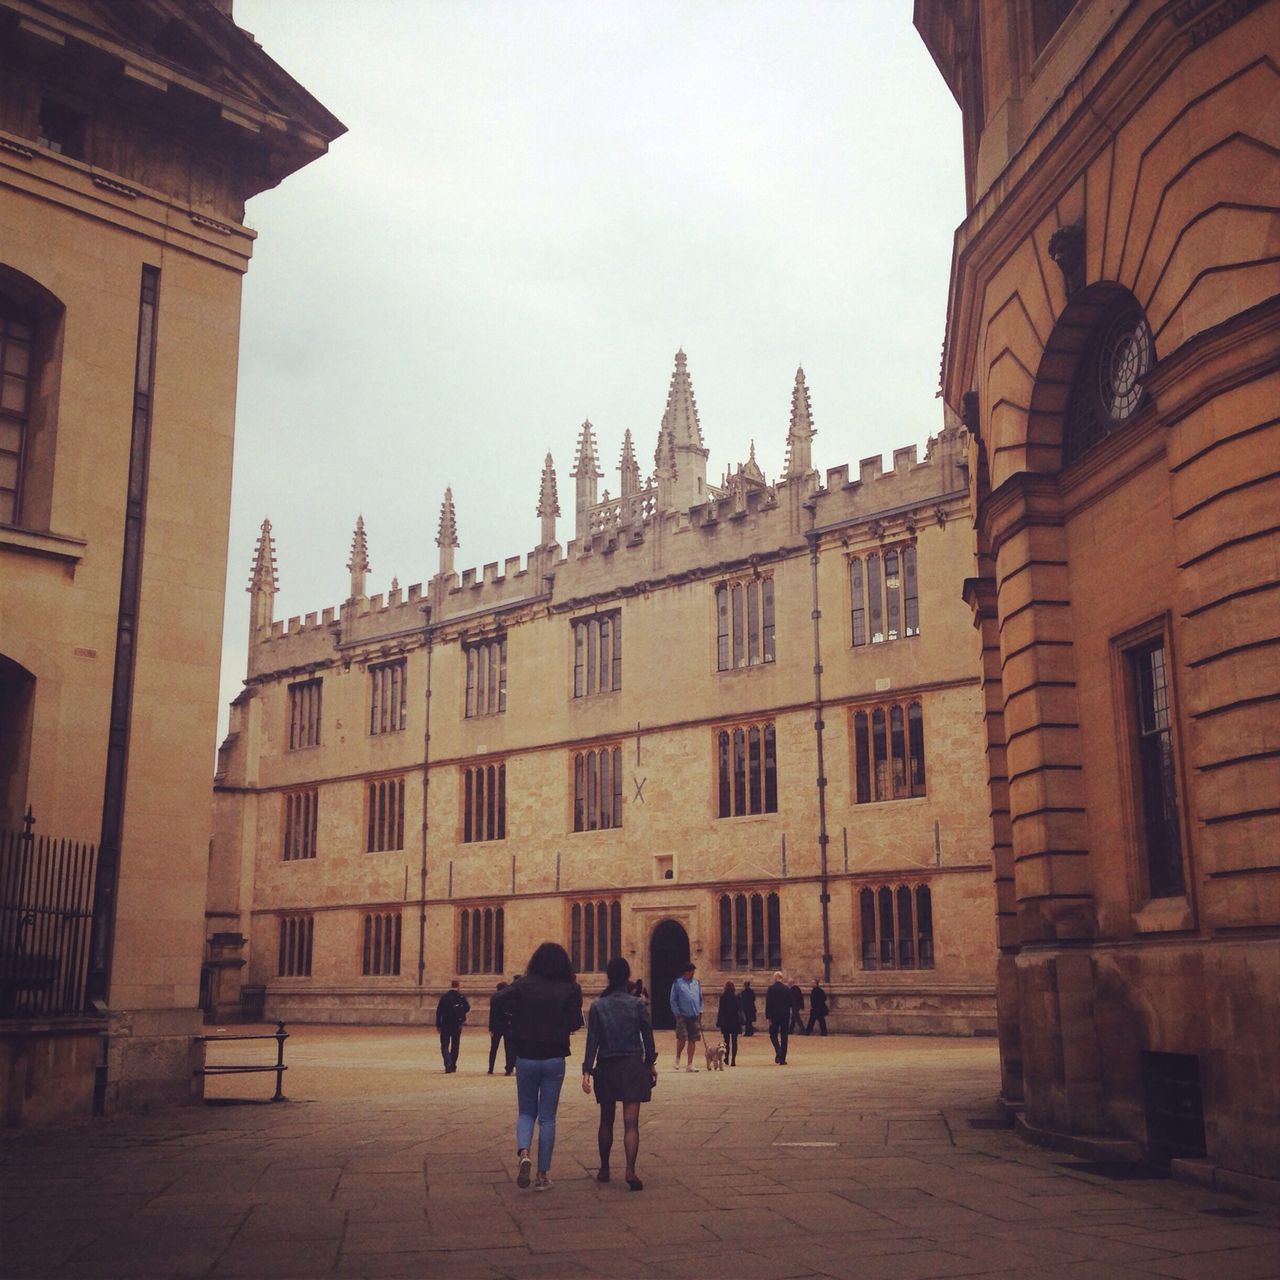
715,1055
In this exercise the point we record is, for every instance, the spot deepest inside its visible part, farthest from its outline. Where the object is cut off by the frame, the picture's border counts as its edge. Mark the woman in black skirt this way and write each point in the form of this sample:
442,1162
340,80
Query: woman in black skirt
622,1059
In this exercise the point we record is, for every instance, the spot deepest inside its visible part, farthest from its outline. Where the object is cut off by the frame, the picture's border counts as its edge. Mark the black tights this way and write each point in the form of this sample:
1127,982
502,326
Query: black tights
730,1046
630,1133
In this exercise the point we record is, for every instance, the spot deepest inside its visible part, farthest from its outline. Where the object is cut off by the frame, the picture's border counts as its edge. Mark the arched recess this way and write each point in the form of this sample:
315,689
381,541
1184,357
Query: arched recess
30,373
668,954
17,708
1067,364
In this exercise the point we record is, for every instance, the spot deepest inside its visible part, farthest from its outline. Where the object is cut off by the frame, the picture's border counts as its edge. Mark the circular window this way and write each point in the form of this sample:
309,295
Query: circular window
1123,359
1108,386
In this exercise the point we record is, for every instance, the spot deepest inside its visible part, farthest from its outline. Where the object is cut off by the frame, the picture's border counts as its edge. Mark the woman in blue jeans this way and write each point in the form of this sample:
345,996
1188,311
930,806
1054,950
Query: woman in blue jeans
545,1008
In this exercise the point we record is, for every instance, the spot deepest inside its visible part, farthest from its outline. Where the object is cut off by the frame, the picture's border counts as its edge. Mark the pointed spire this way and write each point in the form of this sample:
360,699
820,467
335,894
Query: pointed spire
359,562
263,575
680,459
799,451
751,468
263,583
447,533
588,461
548,502
628,467
586,472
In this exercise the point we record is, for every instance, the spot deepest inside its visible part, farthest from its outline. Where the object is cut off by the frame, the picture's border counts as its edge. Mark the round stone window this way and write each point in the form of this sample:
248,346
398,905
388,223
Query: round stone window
1108,388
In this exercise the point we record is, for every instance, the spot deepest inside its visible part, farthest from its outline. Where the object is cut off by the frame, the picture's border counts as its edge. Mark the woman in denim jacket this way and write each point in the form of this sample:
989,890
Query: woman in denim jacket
622,1058
545,1008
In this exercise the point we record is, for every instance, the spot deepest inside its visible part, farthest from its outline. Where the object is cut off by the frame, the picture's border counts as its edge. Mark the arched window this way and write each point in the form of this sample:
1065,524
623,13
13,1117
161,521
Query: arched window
896,927
480,940
750,931
30,341
1108,387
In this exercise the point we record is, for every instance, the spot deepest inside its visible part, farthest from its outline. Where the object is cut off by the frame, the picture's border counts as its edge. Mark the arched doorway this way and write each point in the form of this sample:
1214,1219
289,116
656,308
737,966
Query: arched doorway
668,955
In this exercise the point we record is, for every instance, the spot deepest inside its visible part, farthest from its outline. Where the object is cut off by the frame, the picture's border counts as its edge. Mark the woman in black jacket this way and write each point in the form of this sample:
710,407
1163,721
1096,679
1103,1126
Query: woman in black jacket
545,1007
729,1020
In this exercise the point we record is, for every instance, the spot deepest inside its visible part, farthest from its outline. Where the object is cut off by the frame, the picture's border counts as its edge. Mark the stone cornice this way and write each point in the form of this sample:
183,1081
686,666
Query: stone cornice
1026,498
1052,157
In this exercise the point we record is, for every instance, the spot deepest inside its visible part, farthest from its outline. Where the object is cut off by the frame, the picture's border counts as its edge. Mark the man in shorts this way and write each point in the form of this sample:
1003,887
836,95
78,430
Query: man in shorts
686,1004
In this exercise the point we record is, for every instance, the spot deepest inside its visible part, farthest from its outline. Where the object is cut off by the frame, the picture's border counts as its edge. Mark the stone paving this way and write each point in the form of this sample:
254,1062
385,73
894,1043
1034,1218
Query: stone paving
857,1159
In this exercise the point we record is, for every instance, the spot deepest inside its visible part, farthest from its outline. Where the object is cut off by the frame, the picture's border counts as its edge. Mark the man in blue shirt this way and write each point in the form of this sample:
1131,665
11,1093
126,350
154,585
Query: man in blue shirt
686,1004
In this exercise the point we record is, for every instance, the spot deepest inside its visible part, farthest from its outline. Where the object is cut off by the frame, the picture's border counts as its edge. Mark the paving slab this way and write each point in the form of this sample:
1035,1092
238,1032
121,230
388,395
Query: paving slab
858,1160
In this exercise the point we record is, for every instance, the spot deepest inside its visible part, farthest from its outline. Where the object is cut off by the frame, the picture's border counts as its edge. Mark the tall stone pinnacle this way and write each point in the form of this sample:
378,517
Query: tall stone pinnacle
447,533
801,432
548,502
628,467
263,577
263,583
359,561
586,472
680,460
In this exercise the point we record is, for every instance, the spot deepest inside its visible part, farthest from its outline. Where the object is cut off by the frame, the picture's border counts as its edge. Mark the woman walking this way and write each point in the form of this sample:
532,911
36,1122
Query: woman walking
622,1059
545,1008
729,1020
748,1002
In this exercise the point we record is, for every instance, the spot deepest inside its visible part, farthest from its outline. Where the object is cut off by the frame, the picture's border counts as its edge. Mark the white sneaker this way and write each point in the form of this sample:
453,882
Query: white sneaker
543,1184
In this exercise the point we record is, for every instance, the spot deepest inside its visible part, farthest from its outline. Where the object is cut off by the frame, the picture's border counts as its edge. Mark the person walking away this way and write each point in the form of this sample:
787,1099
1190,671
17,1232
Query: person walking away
729,1021
747,998
500,1034
817,1008
621,1060
451,1013
638,990
686,1004
777,1012
797,1007
545,1008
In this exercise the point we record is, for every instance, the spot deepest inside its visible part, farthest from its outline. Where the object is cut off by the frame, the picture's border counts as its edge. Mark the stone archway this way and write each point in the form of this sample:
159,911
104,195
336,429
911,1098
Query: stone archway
668,954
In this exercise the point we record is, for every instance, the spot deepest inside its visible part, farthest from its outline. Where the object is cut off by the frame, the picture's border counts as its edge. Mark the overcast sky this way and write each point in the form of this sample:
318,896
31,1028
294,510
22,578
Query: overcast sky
536,204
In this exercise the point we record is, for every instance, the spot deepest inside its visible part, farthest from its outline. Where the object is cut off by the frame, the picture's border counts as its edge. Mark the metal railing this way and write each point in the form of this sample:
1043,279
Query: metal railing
46,910
279,1035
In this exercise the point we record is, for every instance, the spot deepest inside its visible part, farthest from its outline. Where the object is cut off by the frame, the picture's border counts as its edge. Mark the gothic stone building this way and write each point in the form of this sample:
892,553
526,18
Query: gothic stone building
131,136
1113,335
613,745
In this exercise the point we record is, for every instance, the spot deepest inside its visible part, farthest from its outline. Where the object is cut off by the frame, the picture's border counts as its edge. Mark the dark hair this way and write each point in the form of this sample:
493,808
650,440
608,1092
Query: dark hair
728,988
550,960
617,971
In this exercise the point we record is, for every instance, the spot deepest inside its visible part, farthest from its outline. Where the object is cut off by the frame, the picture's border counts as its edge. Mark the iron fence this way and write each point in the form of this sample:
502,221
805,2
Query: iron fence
46,910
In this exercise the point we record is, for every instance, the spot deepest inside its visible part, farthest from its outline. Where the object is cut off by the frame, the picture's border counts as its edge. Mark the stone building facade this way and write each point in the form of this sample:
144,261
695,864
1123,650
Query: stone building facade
1112,342
130,138
612,744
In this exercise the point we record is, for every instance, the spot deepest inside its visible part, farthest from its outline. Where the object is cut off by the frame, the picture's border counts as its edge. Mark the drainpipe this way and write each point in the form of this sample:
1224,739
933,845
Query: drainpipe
426,794
818,725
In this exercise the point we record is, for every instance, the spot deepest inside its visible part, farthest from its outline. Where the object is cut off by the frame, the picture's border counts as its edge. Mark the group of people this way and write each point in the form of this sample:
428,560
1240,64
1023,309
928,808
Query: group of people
736,1015
533,1017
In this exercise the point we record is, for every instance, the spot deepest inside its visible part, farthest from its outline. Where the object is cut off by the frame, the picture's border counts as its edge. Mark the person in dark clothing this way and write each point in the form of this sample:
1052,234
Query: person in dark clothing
817,1008
797,1007
500,1034
545,1008
777,1010
747,999
621,1064
729,1021
451,1013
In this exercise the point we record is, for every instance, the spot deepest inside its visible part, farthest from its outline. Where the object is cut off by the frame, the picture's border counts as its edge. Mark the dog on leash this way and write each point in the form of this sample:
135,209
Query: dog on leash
715,1055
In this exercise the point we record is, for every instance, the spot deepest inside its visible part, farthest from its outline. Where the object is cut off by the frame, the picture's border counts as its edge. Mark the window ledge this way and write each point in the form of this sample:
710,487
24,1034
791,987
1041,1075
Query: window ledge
54,546
1164,915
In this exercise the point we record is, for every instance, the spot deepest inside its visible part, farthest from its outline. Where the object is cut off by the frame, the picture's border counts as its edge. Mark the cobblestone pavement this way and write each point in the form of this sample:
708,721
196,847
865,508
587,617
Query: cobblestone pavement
860,1158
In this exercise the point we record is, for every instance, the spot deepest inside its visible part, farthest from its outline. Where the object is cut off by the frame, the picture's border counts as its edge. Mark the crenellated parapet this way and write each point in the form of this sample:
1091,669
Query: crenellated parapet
628,541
